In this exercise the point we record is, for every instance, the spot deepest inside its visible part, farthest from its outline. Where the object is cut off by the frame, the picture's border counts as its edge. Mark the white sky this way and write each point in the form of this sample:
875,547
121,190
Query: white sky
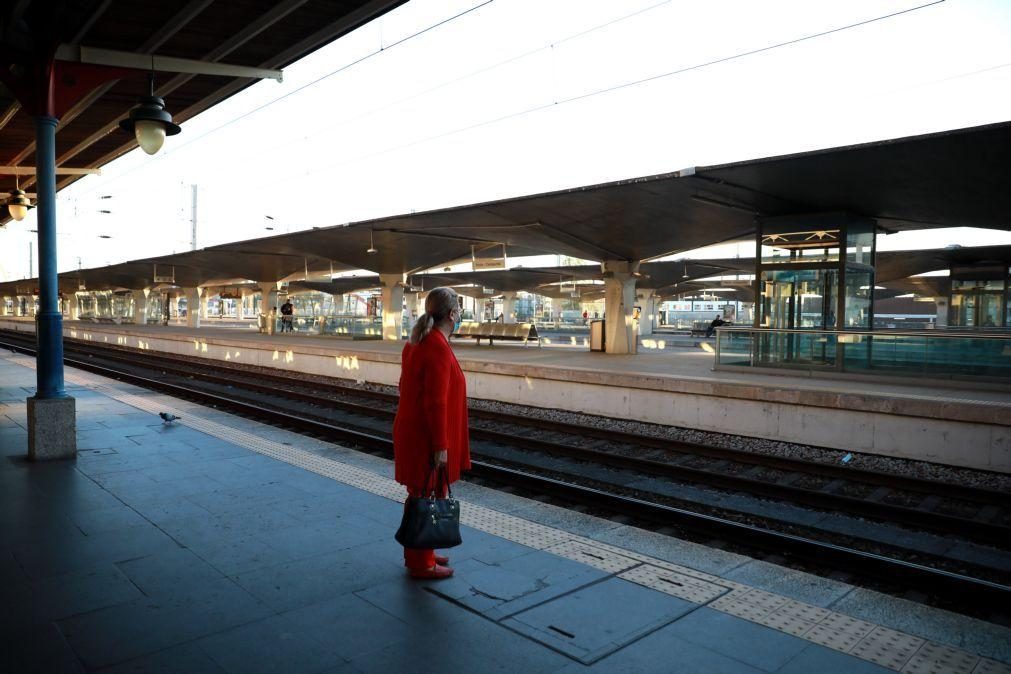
482,108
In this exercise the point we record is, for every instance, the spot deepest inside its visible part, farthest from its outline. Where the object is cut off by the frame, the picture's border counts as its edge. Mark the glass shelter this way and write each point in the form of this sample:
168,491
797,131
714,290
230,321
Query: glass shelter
813,273
980,297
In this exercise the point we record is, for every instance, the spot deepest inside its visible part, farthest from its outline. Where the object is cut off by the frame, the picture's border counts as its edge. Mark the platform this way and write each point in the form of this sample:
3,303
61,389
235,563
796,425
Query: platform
954,426
217,544
951,426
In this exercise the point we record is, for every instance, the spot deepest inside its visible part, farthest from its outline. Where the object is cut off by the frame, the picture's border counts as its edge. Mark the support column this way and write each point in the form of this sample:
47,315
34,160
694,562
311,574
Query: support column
140,307
413,311
393,304
52,424
648,317
619,301
509,306
73,306
3,305
205,298
268,305
192,307
942,312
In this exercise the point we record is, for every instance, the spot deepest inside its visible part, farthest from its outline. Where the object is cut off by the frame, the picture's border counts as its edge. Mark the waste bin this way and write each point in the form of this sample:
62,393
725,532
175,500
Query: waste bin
597,335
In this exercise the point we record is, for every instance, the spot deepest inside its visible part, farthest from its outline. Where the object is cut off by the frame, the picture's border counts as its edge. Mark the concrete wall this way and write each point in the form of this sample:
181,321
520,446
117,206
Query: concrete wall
941,431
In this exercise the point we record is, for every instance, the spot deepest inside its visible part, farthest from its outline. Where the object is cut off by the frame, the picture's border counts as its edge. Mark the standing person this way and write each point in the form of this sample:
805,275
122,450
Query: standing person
287,313
430,429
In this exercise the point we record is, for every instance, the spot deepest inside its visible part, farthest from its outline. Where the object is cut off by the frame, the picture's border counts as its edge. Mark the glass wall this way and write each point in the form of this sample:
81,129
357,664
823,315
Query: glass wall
978,303
815,272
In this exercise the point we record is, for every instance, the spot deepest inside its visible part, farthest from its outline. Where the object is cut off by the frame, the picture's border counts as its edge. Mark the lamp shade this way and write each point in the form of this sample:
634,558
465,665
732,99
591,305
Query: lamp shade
18,205
150,123
150,135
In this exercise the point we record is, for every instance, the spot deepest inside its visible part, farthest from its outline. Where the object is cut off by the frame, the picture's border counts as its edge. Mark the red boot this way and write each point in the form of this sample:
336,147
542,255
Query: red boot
435,573
441,560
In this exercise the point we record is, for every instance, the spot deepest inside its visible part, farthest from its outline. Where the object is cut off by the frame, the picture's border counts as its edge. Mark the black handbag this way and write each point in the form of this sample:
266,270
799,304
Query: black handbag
431,523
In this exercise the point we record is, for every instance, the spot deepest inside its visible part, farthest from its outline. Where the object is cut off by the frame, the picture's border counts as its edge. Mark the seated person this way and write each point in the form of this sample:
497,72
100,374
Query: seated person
717,322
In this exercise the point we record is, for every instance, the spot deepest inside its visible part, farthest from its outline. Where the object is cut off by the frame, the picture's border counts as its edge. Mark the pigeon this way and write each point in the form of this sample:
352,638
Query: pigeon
168,418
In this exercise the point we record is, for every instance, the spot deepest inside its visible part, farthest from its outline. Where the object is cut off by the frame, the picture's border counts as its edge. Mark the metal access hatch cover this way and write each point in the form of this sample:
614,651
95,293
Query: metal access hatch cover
597,620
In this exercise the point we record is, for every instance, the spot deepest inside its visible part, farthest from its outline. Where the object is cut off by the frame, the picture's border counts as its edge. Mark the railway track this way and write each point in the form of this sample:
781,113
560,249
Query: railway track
368,413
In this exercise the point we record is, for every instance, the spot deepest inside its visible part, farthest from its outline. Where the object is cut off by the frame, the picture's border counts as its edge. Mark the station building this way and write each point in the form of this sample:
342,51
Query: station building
811,286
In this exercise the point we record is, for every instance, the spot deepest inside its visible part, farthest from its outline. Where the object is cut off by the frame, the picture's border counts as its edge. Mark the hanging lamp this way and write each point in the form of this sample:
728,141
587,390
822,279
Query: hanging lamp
18,202
150,122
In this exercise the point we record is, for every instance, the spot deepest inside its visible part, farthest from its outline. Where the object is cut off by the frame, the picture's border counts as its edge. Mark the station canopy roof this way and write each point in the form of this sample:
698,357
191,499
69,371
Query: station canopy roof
952,178
258,35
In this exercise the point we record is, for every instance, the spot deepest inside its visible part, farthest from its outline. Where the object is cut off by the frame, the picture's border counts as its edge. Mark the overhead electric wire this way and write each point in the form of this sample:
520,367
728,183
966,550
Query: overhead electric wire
341,69
520,113
632,83
481,71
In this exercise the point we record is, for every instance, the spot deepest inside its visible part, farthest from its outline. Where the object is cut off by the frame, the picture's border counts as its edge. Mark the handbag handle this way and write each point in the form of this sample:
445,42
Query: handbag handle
442,477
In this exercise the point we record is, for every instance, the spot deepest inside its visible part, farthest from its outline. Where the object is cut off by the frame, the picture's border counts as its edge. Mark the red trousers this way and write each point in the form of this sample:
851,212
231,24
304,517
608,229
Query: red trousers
419,559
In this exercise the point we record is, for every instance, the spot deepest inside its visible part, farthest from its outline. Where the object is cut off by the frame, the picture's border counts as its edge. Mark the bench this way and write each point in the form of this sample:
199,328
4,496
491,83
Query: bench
524,332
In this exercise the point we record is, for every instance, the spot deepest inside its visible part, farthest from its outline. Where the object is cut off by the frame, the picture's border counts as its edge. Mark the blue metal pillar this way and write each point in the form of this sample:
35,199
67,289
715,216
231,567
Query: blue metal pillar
49,322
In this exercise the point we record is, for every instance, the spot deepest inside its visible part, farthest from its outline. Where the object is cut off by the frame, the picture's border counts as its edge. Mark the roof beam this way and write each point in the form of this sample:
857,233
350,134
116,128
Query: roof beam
264,22
181,19
592,250
30,171
167,64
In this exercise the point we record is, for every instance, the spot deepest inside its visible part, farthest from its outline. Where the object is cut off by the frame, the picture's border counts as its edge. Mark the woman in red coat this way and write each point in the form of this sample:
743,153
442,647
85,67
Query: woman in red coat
430,429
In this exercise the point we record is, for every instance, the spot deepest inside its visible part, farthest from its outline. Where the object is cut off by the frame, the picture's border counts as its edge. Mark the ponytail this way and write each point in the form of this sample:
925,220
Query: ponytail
438,306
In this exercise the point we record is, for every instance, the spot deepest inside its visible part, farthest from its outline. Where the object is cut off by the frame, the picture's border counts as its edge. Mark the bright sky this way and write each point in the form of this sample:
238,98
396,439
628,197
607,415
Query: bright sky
523,96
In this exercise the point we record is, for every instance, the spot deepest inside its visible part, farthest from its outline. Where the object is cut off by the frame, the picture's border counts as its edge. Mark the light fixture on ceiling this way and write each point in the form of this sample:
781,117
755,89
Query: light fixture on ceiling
685,274
372,250
150,122
18,203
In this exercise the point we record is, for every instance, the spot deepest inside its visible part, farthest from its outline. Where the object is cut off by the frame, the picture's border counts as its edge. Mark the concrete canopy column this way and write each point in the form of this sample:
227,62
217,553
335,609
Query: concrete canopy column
619,301
413,309
3,305
393,304
268,304
140,306
509,306
942,312
647,319
73,306
205,297
192,307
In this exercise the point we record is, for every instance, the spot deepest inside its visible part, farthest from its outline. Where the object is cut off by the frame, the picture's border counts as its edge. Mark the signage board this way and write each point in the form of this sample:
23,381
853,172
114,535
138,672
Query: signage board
483,263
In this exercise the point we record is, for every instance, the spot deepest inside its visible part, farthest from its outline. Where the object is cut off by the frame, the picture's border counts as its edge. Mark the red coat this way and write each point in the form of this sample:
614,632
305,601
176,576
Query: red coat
432,412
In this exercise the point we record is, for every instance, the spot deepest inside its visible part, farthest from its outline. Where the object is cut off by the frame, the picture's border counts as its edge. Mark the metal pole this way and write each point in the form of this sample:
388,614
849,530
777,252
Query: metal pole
49,322
193,220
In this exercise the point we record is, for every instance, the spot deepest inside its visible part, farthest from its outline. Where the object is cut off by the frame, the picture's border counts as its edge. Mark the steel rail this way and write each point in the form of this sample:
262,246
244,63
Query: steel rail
893,481
825,500
980,593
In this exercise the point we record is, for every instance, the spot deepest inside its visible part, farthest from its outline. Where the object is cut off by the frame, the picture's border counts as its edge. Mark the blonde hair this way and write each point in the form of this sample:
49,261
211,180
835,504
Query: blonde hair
438,305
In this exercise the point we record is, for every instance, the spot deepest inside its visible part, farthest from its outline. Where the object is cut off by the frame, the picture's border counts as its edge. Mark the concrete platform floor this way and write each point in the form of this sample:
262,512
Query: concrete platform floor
217,544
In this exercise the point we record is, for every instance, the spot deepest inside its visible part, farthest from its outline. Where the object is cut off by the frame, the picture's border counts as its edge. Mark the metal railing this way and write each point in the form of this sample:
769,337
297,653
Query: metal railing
929,353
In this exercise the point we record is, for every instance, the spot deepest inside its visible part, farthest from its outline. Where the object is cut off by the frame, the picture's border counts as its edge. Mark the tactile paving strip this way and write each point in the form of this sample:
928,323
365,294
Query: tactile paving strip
881,645
939,659
887,647
675,584
605,560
